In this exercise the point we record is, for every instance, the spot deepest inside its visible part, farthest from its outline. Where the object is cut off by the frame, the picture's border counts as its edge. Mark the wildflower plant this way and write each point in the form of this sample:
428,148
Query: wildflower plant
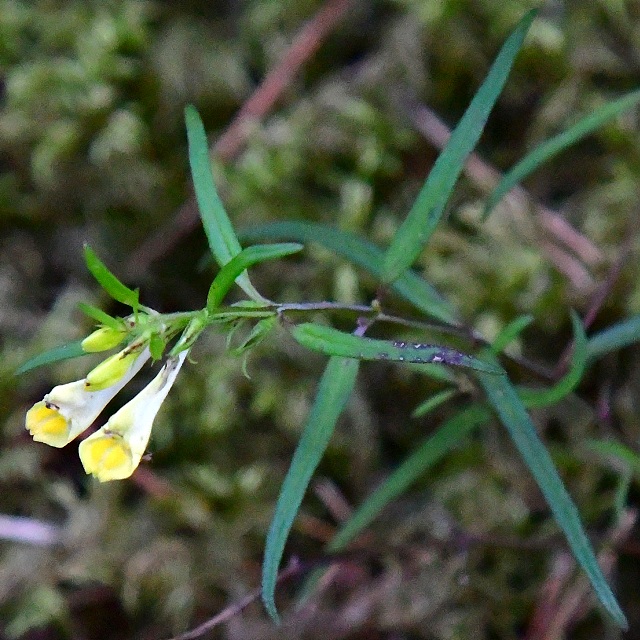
115,450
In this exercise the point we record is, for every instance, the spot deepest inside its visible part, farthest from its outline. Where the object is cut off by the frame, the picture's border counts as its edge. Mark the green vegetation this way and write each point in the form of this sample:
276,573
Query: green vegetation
420,523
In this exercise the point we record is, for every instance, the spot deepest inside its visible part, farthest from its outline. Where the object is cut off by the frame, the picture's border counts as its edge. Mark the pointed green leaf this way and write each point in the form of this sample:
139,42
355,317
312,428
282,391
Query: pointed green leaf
57,354
557,144
504,398
246,258
108,281
337,343
363,254
535,398
99,316
223,241
334,390
258,333
426,212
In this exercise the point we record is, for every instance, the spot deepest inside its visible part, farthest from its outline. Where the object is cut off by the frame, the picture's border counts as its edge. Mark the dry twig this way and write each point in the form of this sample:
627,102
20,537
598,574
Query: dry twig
294,568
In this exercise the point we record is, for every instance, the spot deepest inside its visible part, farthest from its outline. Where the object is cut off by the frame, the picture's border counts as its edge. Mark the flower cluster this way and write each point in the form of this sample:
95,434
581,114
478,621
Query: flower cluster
115,450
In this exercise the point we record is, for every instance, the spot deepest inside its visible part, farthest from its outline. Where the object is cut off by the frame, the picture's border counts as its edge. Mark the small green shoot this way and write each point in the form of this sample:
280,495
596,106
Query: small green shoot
108,281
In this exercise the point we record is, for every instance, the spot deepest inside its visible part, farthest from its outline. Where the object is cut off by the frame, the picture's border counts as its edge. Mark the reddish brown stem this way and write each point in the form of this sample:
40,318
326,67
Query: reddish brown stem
294,568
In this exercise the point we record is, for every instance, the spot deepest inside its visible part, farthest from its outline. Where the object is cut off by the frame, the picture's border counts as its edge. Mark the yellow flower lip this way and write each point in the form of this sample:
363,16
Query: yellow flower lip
107,456
45,423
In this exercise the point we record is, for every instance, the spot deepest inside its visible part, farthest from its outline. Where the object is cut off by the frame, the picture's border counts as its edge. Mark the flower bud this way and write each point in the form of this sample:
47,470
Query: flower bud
111,370
103,339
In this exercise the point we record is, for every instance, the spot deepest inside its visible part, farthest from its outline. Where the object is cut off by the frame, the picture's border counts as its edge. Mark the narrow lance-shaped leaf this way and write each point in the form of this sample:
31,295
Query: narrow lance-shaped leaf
99,315
334,390
504,398
246,258
108,281
426,212
557,144
222,239
363,254
57,354
535,398
333,342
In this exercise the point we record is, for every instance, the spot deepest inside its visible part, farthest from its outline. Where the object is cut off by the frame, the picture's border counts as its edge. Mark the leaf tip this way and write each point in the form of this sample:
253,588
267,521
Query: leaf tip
23,368
194,124
191,113
622,621
270,608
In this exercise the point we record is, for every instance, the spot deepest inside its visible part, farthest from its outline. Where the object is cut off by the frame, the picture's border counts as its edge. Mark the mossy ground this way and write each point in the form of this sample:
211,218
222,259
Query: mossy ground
93,149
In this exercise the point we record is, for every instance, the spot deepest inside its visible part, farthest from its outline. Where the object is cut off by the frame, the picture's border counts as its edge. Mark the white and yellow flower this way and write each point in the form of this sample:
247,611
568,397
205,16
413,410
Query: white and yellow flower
69,409
114,451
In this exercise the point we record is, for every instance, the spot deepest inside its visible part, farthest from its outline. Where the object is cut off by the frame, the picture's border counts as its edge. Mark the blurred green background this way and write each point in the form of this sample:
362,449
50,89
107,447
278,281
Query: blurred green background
93,149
